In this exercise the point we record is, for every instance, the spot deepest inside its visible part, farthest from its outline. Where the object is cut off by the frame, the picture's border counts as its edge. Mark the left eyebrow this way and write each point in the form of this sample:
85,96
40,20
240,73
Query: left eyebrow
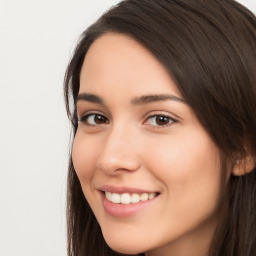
156,98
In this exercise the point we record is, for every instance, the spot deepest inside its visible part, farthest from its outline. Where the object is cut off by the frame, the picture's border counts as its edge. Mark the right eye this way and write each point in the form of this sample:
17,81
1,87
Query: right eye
94,119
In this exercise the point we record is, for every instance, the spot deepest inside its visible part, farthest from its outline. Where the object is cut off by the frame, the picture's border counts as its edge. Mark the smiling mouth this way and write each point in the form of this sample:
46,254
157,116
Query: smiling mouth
127,198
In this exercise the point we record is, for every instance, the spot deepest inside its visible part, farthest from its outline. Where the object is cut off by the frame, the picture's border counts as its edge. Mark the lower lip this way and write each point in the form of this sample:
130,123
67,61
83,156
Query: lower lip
124,210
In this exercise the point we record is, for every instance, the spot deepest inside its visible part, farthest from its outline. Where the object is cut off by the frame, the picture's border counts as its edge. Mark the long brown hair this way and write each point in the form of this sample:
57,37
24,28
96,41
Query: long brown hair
209,49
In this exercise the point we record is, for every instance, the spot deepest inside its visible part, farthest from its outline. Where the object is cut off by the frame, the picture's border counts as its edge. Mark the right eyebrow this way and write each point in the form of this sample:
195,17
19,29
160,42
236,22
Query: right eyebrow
89,97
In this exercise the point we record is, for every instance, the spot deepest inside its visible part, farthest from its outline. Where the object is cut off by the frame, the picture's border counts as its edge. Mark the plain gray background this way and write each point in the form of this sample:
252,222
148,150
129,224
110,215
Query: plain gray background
36,41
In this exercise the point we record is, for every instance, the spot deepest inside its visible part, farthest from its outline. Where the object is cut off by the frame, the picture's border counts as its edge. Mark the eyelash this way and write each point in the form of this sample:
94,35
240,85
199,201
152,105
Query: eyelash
170,120
84,119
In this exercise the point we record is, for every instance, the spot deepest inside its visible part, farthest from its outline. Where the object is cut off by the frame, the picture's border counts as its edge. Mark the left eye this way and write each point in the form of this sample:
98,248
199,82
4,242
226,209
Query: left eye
158,120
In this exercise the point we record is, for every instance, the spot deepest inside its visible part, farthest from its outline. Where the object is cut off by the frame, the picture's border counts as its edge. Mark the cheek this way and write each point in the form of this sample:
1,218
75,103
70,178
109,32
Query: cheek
190,173
84,156
186,166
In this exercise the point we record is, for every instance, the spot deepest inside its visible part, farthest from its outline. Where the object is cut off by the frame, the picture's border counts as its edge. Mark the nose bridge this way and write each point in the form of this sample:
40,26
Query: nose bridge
119,149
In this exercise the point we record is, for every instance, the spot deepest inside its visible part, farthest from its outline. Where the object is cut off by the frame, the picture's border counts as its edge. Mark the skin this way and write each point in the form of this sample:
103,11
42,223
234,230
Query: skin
128,148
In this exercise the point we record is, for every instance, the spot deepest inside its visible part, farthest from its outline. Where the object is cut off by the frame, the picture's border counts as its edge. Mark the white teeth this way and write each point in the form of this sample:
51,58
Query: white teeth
115,198
126,198
108,195
135,198
151,195
144,197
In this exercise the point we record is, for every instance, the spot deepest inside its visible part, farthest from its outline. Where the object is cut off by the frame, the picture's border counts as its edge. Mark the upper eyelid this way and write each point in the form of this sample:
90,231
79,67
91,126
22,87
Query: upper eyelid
82,108
94,107
157,115
162,113
90,112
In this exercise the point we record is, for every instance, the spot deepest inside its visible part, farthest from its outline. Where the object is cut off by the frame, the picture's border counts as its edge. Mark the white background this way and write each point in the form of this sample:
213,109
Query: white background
36,41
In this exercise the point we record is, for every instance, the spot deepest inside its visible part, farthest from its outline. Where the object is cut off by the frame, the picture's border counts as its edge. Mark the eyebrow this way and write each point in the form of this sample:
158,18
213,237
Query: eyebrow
89,97
145,99
156,98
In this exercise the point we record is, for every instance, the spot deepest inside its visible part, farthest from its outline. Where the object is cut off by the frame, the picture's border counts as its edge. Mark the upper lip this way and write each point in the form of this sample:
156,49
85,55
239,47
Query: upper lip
122,189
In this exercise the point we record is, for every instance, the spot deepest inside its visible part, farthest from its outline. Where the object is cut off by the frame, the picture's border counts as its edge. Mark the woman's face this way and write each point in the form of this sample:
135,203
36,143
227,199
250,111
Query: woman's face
148,169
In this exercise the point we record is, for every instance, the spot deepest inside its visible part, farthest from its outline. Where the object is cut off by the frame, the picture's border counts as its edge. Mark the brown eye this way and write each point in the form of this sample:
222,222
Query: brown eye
158,120
98,119
162,120
95,119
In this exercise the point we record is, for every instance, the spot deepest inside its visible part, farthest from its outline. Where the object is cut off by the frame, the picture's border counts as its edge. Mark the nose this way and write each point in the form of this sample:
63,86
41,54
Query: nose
119,152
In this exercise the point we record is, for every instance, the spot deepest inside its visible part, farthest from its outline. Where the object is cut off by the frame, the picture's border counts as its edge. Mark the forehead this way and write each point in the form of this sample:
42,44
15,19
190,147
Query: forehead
117,60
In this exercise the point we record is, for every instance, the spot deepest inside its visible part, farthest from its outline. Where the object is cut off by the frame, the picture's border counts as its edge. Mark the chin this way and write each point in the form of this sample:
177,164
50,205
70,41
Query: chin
126,251
121,245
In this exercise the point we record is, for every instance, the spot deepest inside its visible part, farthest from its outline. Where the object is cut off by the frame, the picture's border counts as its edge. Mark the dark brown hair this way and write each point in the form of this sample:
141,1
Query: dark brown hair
209,49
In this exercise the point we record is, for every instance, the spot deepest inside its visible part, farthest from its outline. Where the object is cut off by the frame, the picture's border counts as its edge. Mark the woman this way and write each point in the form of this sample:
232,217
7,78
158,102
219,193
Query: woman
163,98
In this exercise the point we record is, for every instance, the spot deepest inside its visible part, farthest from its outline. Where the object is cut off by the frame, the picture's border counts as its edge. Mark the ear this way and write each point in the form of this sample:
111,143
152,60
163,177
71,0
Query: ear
243,166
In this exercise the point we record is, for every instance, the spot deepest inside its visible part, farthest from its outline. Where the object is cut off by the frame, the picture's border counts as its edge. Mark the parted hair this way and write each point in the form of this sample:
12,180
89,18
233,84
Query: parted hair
209,49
